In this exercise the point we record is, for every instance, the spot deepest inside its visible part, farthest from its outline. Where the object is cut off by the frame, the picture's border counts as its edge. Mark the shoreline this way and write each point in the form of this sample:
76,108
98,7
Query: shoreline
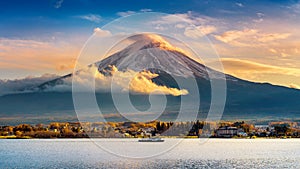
185,130
185,138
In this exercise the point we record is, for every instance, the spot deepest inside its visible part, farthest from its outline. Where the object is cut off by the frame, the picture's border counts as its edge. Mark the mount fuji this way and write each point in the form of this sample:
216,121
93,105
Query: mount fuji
244,100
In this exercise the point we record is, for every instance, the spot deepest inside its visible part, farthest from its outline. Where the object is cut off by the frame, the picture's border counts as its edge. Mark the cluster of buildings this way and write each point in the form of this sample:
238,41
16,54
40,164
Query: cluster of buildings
273,129
155,128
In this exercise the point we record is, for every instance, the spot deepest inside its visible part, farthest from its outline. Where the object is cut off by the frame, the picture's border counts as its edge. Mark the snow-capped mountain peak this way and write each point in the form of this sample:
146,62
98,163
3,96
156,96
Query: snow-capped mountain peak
149,51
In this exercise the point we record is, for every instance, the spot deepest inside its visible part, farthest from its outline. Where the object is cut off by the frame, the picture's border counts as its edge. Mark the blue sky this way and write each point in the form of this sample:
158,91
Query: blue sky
257,40
42,18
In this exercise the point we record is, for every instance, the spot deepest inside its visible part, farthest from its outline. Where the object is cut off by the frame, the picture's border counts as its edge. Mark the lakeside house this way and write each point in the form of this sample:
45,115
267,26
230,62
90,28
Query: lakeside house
227,131
262,127
242,133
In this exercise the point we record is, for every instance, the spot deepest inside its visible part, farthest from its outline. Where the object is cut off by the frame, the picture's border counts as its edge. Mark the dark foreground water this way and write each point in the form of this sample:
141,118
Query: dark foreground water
174,153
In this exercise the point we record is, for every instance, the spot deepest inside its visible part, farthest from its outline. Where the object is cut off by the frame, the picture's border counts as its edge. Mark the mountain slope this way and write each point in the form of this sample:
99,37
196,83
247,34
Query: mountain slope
245,100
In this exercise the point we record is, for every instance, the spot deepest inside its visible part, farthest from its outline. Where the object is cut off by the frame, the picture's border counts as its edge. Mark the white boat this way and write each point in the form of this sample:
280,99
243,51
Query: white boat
156,139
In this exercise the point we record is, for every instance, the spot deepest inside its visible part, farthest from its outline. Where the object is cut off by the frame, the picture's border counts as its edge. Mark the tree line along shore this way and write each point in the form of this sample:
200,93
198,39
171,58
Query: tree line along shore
193,129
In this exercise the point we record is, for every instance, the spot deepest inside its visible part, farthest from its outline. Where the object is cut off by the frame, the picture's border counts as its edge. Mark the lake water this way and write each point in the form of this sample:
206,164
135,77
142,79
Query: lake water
174,153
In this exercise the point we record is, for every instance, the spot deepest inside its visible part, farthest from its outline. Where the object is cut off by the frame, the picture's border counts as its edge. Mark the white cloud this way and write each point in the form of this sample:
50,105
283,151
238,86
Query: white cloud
189,17
23,85
58,4
126,13
101,33
258,20
91,17
260,15
146,10
202,25
239,4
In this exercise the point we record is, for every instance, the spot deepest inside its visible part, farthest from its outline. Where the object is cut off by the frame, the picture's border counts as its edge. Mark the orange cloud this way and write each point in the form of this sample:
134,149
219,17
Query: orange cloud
249,66
232,36
249,37
65,66
259,72
294,86
142,83
273,36
199,31
137,82
45,57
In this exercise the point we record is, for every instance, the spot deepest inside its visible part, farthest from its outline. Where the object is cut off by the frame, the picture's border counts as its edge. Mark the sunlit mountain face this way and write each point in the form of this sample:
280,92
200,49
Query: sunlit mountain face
149,51
150,64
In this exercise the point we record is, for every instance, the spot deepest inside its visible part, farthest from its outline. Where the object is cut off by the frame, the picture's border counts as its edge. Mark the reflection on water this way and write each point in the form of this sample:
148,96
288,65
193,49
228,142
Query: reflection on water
191,153
185,163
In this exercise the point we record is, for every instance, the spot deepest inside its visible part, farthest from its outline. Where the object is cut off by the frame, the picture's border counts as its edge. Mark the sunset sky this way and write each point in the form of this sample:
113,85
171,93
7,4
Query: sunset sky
256,40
